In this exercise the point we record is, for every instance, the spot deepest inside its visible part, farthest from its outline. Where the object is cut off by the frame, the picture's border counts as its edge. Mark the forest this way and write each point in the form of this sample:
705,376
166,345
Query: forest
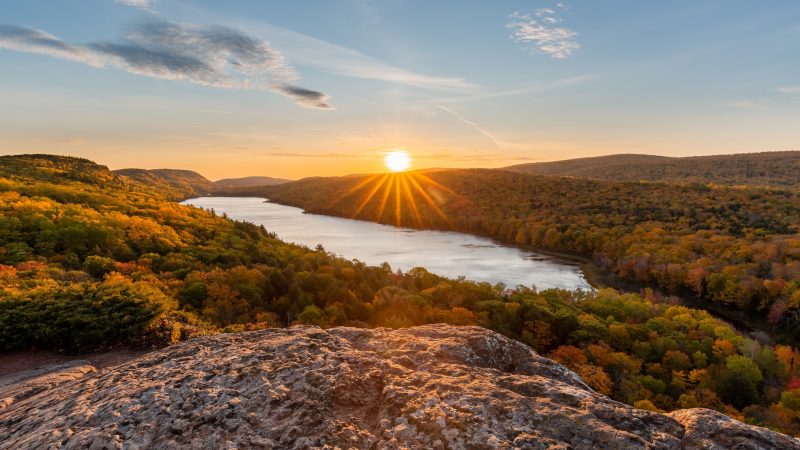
90,259
735,249
180,184
779,169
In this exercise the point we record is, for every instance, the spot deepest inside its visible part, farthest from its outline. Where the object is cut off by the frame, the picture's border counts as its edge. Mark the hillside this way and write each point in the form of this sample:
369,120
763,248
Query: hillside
249,182
426,387
752,169
735,249
91,260
580,165
245,187
180,183
50,168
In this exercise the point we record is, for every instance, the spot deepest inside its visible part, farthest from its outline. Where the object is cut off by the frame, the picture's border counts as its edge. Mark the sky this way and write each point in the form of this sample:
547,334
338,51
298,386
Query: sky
328,87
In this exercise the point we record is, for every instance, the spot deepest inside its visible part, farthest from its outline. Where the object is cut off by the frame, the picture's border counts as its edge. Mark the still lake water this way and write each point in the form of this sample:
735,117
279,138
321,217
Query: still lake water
444,253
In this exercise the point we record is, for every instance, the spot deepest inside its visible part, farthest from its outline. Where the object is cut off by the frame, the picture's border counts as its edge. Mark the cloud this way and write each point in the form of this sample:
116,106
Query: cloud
541,32
516,92
746,104
35,41
306,97
344,61
313,155
790,89
309,51
144,4
215,56
497,158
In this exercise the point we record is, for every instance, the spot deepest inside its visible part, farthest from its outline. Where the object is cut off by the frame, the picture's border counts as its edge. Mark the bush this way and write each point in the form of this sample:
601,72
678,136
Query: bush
78,317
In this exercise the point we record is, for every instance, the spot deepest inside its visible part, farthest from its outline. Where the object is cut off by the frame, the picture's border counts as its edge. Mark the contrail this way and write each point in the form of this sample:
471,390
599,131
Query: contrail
480,129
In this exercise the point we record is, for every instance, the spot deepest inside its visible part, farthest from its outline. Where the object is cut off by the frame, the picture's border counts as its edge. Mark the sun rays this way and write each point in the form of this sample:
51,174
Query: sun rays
404,196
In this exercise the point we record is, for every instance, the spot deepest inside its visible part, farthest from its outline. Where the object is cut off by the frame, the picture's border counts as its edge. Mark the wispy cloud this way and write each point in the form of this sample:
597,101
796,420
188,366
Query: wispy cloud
215,56
30,40
526,90
542,32
496,158
746,104
305,50
789,89
313,52
144,4
498,142
313,155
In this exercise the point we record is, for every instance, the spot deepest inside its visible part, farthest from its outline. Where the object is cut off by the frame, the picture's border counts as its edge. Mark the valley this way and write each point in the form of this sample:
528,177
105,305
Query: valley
733,248
93,260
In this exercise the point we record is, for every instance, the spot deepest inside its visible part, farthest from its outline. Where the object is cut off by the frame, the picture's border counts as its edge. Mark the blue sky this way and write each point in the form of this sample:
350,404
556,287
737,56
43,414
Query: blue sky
327,87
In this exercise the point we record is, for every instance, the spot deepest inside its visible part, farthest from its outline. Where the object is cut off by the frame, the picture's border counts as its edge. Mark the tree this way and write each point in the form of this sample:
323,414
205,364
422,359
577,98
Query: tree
98,266
791,401
738,382
596,378
311,315
193,295
570,356
676,360
647,405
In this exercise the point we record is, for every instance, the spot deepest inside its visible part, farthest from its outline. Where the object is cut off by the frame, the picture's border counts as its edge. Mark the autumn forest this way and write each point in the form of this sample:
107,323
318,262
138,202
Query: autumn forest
91,259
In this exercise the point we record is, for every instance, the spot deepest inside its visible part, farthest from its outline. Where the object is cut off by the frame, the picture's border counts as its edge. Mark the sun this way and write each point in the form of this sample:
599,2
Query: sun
397,161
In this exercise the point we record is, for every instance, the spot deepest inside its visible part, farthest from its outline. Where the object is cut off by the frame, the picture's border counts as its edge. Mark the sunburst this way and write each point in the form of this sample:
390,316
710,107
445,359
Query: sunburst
408,191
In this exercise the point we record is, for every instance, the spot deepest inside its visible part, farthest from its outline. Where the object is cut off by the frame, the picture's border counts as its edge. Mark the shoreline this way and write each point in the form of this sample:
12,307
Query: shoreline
596,277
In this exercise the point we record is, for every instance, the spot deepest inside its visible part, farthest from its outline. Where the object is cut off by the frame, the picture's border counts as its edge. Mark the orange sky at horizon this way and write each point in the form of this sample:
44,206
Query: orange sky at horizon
216,165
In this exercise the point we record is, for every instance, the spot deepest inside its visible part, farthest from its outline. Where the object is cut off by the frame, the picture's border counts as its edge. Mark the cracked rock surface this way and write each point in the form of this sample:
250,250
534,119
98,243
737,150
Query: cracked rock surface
433,386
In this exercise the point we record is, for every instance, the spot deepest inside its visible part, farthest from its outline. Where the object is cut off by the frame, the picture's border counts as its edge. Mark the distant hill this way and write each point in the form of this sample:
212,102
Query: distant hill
249,182
184,183
755,169
59,168
568,167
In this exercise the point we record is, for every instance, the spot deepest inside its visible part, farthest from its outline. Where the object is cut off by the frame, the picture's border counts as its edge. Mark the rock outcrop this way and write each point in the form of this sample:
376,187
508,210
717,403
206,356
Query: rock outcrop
433,386
20,386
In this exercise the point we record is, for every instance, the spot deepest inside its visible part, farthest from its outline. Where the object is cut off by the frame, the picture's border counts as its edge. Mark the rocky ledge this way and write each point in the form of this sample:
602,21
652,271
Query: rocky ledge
433,386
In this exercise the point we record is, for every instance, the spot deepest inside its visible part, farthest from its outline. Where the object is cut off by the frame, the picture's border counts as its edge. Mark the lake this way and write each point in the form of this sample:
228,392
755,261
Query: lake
444,253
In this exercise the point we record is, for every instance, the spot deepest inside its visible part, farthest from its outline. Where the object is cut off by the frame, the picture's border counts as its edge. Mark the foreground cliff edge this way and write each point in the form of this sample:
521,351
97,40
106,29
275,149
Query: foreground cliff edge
433,386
